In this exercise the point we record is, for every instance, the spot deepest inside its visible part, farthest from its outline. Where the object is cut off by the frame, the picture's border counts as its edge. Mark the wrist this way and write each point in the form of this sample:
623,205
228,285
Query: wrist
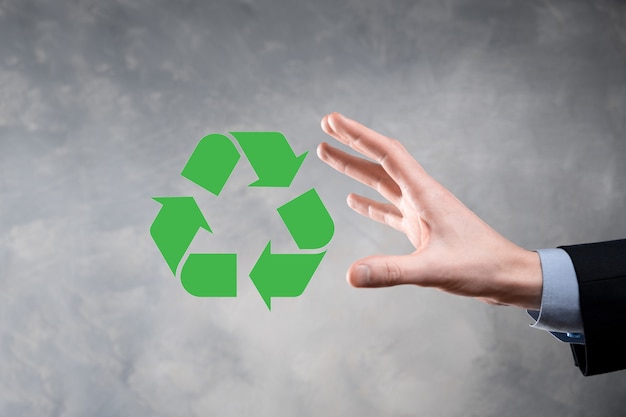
521,279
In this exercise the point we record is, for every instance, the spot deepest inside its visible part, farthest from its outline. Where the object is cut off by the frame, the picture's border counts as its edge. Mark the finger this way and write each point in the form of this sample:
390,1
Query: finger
366,172
325,127
381,212
386,271
389,153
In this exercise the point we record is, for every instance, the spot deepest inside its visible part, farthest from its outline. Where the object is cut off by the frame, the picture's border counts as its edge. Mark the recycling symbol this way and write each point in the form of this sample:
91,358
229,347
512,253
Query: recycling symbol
215,274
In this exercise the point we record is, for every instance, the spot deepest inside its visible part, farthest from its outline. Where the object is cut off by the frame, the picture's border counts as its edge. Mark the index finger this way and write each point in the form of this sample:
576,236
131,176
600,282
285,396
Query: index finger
389,153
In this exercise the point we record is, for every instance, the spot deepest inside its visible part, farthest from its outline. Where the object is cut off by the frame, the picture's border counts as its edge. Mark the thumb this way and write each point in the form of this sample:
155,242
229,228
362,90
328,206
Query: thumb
384,271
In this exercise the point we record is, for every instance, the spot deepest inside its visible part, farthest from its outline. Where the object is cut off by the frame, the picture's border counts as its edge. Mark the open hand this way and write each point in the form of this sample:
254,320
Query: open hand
455,250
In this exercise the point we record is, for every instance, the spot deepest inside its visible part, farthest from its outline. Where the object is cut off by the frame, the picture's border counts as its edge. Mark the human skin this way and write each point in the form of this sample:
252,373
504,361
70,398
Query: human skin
455,251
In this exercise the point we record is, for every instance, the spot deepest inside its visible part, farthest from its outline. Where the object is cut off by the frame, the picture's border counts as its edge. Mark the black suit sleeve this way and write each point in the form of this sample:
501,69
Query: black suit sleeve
601,273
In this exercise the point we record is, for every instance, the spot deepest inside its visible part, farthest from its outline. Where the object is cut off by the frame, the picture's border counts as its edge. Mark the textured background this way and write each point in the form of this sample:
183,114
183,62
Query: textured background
519,107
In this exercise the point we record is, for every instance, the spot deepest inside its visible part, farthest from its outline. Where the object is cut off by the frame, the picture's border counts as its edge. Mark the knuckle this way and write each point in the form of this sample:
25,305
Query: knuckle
392,274
396,145
341,165
356,143
380,184
396,152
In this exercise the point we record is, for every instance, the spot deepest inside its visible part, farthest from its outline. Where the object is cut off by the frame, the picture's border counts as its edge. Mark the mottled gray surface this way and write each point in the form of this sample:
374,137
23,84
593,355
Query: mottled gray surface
519,107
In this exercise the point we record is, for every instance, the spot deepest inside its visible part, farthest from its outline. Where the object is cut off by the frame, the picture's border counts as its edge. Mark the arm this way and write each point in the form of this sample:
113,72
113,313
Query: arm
455,250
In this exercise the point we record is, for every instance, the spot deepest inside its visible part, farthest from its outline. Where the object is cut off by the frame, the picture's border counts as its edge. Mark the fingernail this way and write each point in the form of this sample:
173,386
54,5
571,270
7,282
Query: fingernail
337,117
325,125
340,117
320,151
361,276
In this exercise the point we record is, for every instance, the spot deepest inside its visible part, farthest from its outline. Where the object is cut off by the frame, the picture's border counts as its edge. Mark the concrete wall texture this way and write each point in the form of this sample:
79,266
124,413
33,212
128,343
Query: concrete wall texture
519,107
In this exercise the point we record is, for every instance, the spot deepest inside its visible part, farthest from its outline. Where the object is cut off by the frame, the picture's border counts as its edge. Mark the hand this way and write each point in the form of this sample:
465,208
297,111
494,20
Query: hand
455,250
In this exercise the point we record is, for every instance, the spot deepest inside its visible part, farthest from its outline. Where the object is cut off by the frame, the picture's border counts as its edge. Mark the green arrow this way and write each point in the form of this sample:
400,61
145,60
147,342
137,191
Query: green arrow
271,157
175,226
307,220
283,275
212,162
210,274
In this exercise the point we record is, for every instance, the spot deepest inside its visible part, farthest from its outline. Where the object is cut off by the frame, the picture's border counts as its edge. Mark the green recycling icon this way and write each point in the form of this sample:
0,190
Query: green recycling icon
215,274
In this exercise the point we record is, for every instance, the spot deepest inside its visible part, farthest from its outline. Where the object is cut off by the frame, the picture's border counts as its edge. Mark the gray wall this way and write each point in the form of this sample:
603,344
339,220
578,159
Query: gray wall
519,107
